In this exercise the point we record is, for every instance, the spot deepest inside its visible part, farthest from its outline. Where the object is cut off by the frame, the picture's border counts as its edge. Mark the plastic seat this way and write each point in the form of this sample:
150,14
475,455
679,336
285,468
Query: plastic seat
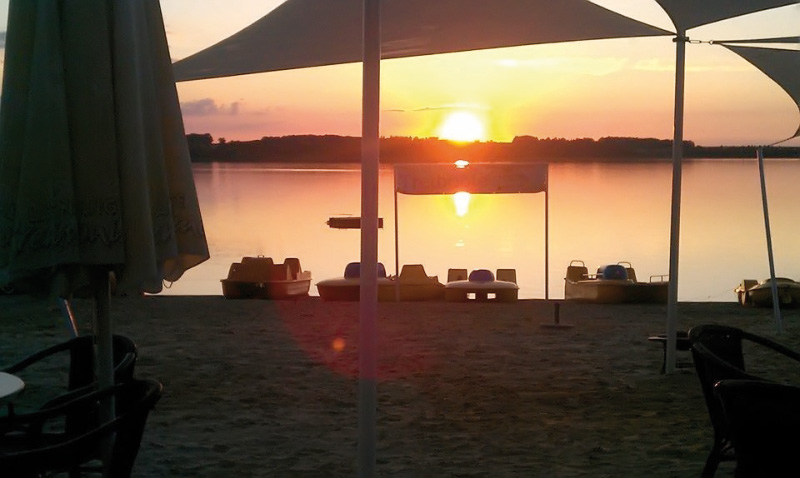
763,419
718,354
456,274
507,275
30,447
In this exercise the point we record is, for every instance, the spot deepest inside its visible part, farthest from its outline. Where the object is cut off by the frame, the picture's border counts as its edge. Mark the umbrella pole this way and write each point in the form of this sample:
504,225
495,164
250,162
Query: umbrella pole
104,367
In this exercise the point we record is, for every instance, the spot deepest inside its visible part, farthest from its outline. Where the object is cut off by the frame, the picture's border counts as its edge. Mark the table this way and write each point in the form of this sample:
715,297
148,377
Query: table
682,343
10,386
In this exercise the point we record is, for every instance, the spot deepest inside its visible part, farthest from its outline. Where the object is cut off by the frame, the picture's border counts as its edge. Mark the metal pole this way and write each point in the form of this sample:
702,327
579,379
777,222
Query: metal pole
776,306
675,226
547,236
368,305
104,366
396,242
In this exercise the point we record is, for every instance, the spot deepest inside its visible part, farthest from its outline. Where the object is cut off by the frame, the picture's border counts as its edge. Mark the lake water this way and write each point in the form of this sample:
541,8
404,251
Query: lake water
599,213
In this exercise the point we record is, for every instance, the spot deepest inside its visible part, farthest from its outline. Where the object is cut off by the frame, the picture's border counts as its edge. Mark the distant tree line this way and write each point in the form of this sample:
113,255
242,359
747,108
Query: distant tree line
395,150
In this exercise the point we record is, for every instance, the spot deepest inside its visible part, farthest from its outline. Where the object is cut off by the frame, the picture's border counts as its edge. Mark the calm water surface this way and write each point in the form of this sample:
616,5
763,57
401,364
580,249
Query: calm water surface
599,213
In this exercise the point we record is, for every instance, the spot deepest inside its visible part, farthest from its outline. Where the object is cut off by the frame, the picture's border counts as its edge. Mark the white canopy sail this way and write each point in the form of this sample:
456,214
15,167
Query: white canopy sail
308,33
782,66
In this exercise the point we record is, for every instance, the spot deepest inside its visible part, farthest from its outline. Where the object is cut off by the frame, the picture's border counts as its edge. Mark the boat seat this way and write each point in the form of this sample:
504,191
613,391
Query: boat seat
631,273
576,273
413,271
456,274
279,272
507,275
293,264
241,272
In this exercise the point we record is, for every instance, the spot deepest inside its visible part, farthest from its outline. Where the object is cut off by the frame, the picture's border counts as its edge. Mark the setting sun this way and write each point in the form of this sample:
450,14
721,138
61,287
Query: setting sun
462,126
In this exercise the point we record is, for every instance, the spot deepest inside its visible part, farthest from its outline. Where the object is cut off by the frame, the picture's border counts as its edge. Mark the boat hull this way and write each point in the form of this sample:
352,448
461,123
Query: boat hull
273,290
260,278
788,295
497,290
349,290
616,291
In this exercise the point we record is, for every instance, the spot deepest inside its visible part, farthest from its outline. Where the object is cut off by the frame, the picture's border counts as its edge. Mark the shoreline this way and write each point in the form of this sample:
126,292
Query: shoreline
270,388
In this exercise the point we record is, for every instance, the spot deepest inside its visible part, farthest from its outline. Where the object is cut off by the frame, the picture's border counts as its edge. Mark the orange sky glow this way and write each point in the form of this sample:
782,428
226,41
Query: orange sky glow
592,89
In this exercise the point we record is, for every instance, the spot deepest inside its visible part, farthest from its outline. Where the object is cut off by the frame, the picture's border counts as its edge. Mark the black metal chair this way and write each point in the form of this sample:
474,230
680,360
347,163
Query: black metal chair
763,419
80,363
41,443
718,354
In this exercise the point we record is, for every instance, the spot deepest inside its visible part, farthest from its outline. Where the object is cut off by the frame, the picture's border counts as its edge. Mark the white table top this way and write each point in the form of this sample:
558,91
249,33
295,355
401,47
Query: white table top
10,385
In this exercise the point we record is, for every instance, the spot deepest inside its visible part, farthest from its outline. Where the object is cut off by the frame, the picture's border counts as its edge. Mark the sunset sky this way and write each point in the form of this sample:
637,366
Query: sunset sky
572,90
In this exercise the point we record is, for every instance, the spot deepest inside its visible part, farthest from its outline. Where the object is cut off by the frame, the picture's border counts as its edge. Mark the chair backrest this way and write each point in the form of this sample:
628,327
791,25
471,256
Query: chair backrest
81,359
81,367
293,264
413,272
507,275
763,420
722,340
718,354
70,450
456,274
576,273
711,369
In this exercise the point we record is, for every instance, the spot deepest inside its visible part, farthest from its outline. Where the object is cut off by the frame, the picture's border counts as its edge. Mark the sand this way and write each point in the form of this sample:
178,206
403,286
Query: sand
262,389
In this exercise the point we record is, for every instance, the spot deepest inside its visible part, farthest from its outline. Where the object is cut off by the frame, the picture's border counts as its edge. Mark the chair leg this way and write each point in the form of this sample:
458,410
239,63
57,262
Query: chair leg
710,468
712,462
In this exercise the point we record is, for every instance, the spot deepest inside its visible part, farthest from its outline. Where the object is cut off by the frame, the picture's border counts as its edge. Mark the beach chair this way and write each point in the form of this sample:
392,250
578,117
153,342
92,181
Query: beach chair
35,444
763,420
718,354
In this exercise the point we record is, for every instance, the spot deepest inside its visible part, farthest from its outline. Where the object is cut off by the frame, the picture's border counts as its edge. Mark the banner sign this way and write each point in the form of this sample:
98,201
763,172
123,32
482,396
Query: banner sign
480,178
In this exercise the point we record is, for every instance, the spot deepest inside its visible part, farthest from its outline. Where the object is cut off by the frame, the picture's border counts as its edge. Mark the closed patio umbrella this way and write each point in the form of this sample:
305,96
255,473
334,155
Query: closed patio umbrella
95,175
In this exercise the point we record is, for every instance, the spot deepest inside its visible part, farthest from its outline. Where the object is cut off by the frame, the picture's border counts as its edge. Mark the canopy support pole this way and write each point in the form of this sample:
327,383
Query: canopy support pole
396,242
547,236
776,306
368,305
675,226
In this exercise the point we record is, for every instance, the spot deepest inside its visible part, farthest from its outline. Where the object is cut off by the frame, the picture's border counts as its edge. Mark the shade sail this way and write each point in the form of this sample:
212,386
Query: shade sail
475,178
686,14
308,33
782,66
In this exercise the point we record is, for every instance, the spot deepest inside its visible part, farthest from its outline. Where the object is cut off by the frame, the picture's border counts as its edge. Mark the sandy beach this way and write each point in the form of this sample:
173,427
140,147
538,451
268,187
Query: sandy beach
262,388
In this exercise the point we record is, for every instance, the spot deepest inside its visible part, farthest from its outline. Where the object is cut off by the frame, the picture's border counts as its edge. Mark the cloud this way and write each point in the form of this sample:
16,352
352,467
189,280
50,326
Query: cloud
209,107
449,106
